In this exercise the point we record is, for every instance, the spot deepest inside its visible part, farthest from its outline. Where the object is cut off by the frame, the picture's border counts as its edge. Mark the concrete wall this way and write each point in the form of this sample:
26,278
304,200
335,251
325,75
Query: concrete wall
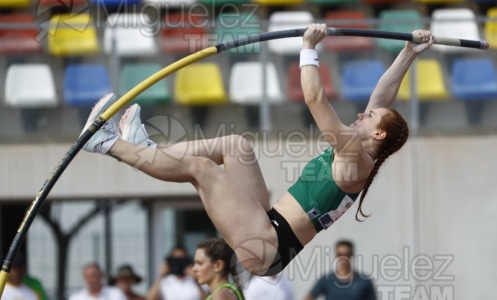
433,208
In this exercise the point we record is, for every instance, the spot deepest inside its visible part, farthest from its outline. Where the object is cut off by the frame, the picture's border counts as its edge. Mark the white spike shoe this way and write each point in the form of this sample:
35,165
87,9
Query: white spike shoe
104,138
131,128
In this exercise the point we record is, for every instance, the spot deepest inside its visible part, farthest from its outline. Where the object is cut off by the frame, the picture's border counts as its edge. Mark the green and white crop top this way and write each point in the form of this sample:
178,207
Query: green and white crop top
318,194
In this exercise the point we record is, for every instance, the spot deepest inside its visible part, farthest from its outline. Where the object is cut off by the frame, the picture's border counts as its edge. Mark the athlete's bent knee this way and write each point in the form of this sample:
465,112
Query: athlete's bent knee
200,166
241,147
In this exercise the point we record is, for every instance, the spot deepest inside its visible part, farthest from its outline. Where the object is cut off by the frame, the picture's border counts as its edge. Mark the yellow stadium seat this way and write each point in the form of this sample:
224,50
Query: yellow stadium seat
430,82
200,84
14,3
491,28
72,35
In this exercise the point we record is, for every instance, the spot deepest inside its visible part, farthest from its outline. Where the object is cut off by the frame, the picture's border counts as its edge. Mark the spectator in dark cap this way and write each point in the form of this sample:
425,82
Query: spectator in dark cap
175,280
125,279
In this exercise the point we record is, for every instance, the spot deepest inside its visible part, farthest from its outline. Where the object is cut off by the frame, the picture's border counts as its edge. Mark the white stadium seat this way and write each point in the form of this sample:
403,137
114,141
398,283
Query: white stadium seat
288,20
246,84
30,86
454,23
133,33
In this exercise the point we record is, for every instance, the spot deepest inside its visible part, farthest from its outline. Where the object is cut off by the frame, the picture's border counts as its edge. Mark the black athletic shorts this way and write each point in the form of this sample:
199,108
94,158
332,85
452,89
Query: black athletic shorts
288,244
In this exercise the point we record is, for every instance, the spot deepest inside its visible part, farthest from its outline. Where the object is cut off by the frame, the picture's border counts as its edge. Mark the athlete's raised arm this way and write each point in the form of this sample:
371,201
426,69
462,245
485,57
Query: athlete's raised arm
388,86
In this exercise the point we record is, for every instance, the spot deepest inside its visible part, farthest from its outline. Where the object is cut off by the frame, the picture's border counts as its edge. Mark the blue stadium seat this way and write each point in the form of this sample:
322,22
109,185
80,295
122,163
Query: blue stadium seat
359,78
115,3
474,79
85,84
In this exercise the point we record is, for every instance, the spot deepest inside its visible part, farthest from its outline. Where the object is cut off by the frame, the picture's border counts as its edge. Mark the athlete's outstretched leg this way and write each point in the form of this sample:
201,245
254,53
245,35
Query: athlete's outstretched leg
165,161
234,196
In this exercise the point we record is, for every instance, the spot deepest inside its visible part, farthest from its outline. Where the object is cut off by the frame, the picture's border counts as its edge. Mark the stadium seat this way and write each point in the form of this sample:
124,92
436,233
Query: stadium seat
456,23
382,2
84,84
20,40
133,74
347,19
30,87
116,3
183,34
332,2
440,1
474,79
359,78
295,92
172,3
232,26
15,3
69,4
490,28
246,84
200,84
283,20
132,33
72,35
404,21
223,2
430,82
279,2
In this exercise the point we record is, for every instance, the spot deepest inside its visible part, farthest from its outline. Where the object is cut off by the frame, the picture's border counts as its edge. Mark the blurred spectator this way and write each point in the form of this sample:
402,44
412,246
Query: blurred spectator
274,287
344,283
214,263
175,280
15,289
29,280
94,288
125,279
35,285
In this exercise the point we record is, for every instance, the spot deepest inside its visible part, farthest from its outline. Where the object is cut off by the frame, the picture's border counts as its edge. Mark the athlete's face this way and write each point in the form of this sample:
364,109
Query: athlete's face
203,269
368,124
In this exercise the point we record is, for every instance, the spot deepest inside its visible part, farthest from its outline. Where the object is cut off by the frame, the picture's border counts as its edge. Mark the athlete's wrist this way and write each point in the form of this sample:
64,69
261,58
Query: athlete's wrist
308,45
309,57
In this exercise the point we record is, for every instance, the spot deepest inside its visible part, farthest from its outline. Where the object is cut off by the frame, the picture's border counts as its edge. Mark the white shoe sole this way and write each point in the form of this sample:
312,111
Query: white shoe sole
131,128
106,136
126,123
101,106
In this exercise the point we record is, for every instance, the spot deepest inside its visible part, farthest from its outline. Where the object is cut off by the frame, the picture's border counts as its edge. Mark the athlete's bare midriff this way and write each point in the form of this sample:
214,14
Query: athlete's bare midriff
299,221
